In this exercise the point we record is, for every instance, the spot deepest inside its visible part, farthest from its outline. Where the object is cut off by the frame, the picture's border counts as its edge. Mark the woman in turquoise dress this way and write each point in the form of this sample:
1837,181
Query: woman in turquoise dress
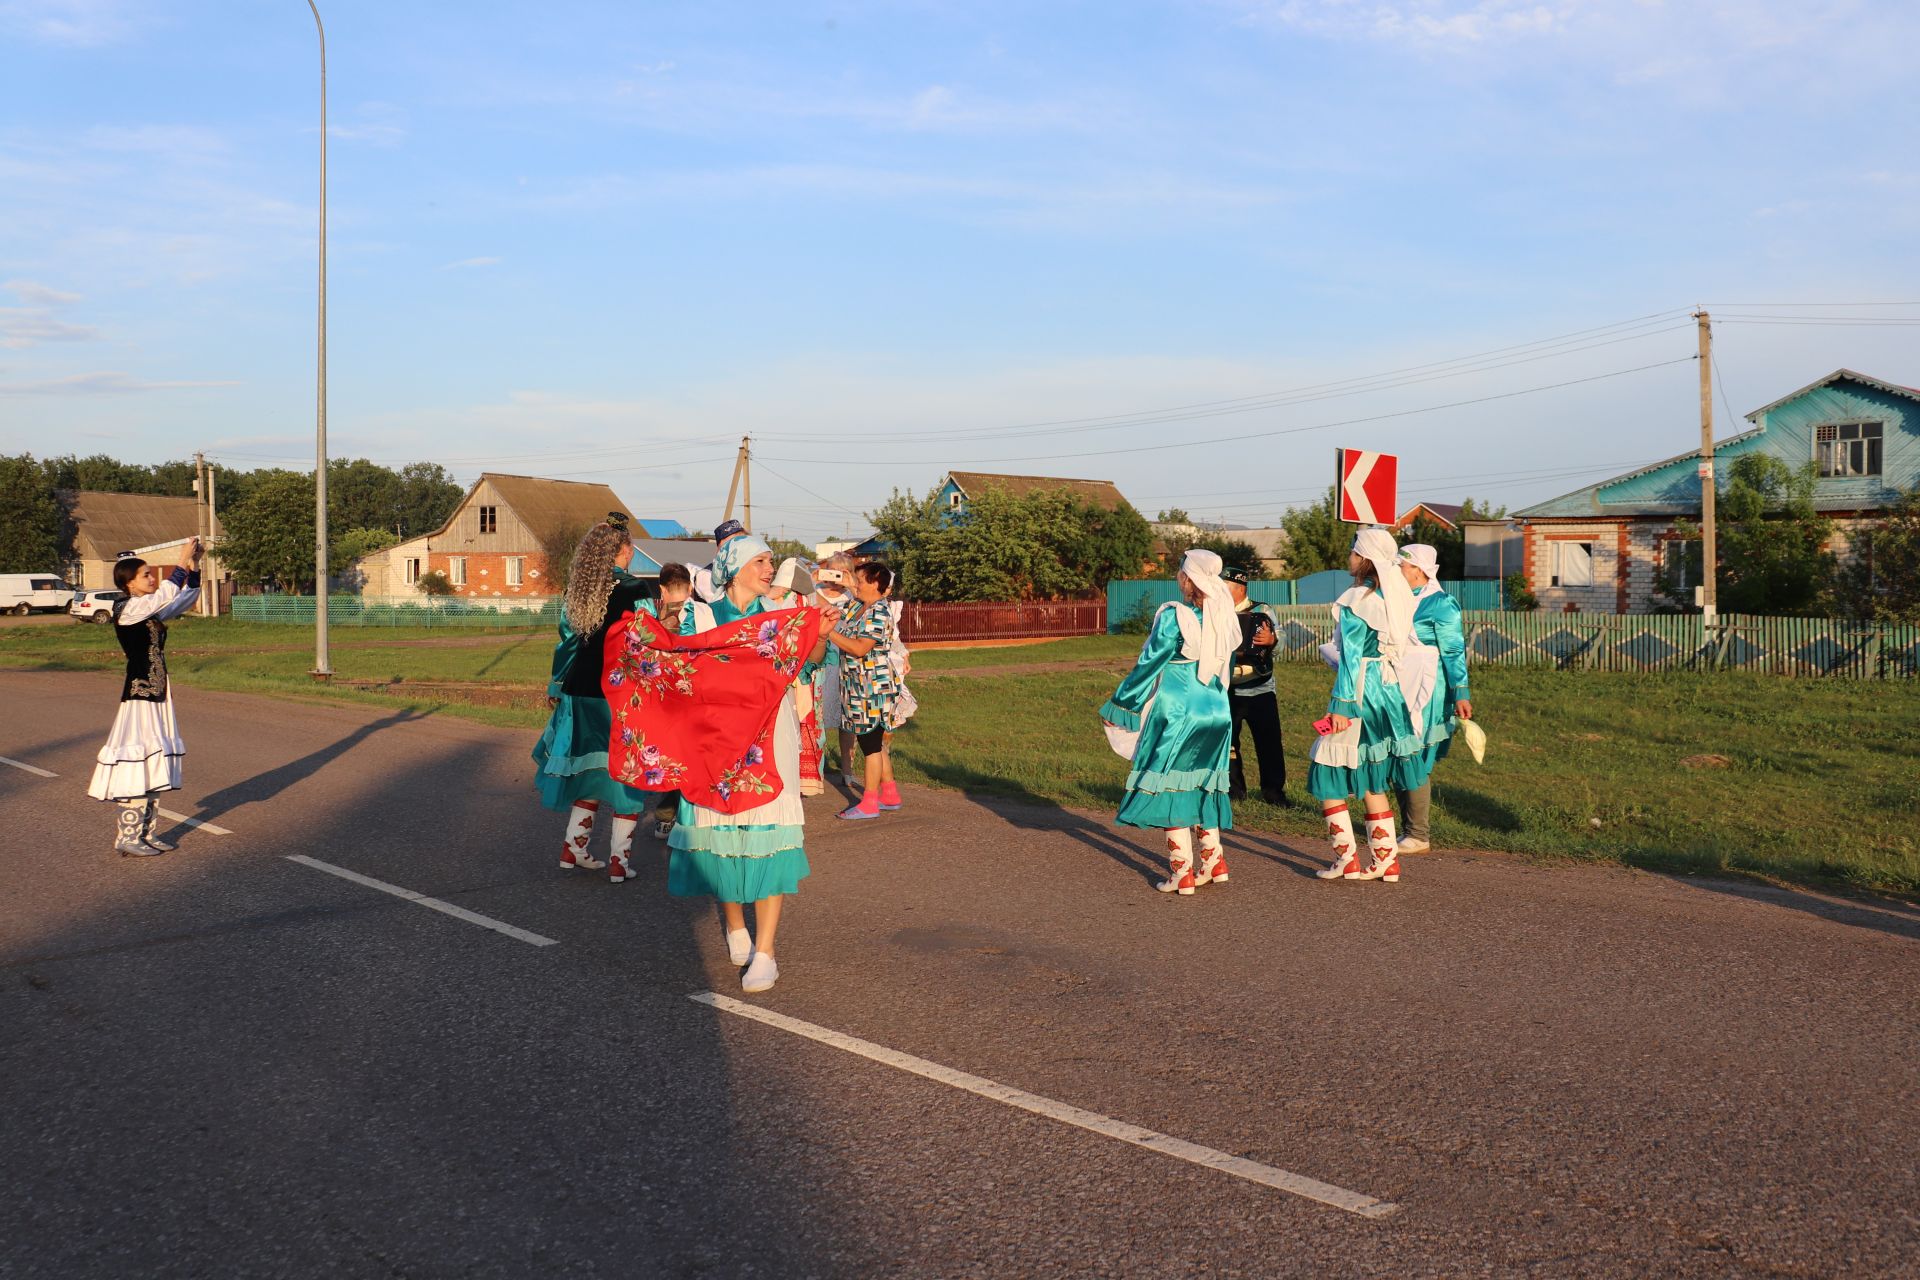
1382,684
570,760
1437,624
1175,701
759,854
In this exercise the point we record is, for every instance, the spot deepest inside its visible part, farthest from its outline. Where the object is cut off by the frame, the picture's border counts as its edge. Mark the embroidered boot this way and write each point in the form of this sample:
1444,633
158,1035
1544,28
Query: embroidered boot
573,854
127,842
1213,866
620,860
149,819
1179,863
1384,848
1345,848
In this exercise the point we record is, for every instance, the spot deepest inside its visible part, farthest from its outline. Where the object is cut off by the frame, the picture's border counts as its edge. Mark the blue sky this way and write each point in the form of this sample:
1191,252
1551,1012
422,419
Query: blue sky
605,240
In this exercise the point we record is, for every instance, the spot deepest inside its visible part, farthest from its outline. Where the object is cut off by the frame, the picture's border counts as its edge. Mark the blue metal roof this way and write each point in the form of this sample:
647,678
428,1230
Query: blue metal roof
1783,429
662,528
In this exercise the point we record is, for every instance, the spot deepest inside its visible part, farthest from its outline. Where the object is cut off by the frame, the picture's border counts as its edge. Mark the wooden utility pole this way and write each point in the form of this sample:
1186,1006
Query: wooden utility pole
741,480
207,575
201,525
1709,490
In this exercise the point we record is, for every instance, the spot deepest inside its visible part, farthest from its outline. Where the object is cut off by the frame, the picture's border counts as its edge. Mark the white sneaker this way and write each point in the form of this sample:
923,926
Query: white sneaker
761,974
739,946
1411,845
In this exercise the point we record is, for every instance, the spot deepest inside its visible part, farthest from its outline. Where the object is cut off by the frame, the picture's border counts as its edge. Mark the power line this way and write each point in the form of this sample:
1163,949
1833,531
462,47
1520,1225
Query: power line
1263,435
1251,404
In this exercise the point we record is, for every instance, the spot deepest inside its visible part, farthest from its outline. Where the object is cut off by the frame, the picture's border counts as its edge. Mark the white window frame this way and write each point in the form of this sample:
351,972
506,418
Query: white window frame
1561,578
412,570
457,570
516,571
1831,443
955,498
1685,575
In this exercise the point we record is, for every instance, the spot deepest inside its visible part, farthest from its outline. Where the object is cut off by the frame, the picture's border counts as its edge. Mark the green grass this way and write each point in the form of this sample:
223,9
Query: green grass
1820,783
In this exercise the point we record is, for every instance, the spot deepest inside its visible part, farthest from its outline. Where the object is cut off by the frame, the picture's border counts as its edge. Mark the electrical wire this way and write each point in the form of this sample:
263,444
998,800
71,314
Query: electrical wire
1263,435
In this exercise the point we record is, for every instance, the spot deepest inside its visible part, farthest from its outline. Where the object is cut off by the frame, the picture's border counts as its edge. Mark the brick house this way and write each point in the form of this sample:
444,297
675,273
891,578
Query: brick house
494,545
1600,549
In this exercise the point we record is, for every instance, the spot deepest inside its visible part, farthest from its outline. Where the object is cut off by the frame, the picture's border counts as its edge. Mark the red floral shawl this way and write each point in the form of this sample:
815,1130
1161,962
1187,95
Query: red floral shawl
696,713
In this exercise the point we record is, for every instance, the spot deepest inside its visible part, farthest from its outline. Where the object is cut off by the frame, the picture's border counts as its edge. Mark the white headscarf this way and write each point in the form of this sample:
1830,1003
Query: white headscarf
1416,666
1377,546
1426,560
1211,644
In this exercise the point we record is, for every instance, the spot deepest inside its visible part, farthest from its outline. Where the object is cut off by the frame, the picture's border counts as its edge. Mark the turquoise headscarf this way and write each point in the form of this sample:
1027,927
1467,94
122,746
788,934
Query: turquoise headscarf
734,553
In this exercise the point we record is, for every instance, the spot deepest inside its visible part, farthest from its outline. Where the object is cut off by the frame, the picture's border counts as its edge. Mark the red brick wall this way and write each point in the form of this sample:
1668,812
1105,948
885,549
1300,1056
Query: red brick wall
487,575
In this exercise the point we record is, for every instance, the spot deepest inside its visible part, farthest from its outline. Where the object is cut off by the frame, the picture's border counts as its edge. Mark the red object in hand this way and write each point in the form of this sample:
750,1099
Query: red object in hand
1323,726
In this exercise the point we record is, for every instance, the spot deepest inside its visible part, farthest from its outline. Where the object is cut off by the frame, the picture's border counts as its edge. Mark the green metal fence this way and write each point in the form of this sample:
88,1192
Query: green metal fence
405,611
1135,598
1654,642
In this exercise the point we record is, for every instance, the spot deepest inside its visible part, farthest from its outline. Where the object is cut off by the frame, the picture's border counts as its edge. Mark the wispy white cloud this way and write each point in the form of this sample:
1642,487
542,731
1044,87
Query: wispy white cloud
80,23
104,383
468,263
39,320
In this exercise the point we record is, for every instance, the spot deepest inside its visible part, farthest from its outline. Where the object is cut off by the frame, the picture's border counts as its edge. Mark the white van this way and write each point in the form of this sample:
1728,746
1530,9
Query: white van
25,593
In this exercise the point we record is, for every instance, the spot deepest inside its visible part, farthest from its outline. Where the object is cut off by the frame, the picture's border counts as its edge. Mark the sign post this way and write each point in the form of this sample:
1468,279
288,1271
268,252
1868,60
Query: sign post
1368,485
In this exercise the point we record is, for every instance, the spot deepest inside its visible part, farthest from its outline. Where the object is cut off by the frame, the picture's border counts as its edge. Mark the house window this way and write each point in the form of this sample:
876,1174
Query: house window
1680,563
413,570
1848,448
1573,564
489,519
457,570
954,499
516,570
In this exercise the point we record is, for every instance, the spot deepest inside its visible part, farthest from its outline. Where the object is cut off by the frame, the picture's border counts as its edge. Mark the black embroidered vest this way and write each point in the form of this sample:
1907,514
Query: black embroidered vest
146,647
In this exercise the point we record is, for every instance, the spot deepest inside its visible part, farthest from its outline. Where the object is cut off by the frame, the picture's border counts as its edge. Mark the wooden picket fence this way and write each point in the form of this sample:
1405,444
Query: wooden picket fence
1655,642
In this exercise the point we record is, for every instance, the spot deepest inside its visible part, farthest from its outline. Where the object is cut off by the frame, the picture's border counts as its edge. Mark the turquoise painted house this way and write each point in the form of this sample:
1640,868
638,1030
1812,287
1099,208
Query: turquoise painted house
1599,549
961,487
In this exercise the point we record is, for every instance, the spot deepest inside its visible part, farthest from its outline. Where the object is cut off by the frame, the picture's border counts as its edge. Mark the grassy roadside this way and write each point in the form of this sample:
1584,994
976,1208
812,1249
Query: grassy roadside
1805,781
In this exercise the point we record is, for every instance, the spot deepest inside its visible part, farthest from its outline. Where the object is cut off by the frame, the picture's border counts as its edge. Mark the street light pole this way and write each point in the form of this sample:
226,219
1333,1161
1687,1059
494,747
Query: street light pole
322,669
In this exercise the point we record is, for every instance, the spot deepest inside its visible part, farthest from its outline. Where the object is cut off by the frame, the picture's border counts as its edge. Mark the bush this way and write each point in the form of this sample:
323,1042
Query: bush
1139,621
1519,596
434,582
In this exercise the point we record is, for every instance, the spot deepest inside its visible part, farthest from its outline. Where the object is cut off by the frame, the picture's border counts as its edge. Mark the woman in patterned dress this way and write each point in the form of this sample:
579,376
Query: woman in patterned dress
869,686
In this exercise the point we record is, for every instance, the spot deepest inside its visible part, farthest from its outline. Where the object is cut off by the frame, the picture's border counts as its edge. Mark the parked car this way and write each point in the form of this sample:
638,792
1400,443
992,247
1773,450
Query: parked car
95,606
25,593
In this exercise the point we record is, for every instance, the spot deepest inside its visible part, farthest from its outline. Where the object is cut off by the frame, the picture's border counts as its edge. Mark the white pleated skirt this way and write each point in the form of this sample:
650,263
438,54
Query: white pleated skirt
143,753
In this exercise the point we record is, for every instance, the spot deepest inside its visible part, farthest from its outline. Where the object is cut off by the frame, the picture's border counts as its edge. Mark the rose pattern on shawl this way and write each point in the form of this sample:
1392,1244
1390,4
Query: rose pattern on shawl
696,713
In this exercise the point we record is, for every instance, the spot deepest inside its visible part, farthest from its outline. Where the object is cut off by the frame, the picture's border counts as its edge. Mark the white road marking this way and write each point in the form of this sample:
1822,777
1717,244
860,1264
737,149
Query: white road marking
207,827
36,770
1065,1113
420,899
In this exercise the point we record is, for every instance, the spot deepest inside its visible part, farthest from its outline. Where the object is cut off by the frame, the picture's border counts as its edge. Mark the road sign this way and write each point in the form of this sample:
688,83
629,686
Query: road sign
1369,486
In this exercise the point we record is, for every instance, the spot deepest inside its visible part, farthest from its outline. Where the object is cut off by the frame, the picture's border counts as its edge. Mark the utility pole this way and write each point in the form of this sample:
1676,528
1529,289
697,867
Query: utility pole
322,668
734,485
211,593
746,480
200,523
1709,538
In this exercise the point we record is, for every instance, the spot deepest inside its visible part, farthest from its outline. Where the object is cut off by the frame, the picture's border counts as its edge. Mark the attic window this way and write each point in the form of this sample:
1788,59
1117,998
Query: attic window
489,519
954,499
1848,448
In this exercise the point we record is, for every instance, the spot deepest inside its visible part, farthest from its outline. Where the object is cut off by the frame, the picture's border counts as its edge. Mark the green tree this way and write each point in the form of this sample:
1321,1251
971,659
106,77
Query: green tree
1035,546
1173,515
434,583
1317,539
426,498
1772,553
352,544
784,547
363,495
1881,576
31,519
270,533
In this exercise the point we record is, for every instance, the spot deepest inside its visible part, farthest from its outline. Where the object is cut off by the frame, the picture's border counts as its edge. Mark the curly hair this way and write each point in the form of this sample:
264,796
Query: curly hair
590,579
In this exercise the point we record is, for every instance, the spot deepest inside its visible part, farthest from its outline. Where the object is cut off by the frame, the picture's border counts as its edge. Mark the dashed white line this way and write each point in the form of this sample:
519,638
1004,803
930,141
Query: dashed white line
207,827
33,769
420,899
1180,1149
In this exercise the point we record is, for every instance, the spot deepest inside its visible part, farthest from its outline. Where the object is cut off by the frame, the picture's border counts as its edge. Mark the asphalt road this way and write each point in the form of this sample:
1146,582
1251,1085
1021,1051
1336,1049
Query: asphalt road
223,1062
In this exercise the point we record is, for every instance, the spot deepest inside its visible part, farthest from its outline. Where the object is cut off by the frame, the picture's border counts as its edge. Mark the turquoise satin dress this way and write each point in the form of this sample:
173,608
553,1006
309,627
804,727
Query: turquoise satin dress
570,760
1437,623
1392,753
1179,776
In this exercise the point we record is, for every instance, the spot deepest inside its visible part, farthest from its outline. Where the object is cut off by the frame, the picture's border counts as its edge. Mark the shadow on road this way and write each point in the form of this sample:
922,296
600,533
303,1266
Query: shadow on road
268,785
1882,915
276,1071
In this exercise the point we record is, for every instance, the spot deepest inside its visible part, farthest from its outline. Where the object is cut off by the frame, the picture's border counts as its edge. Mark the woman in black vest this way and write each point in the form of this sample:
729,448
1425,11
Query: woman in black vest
144,752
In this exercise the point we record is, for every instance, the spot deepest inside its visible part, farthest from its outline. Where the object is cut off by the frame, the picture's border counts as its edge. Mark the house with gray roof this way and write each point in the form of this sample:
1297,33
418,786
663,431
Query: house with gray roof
1601,549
